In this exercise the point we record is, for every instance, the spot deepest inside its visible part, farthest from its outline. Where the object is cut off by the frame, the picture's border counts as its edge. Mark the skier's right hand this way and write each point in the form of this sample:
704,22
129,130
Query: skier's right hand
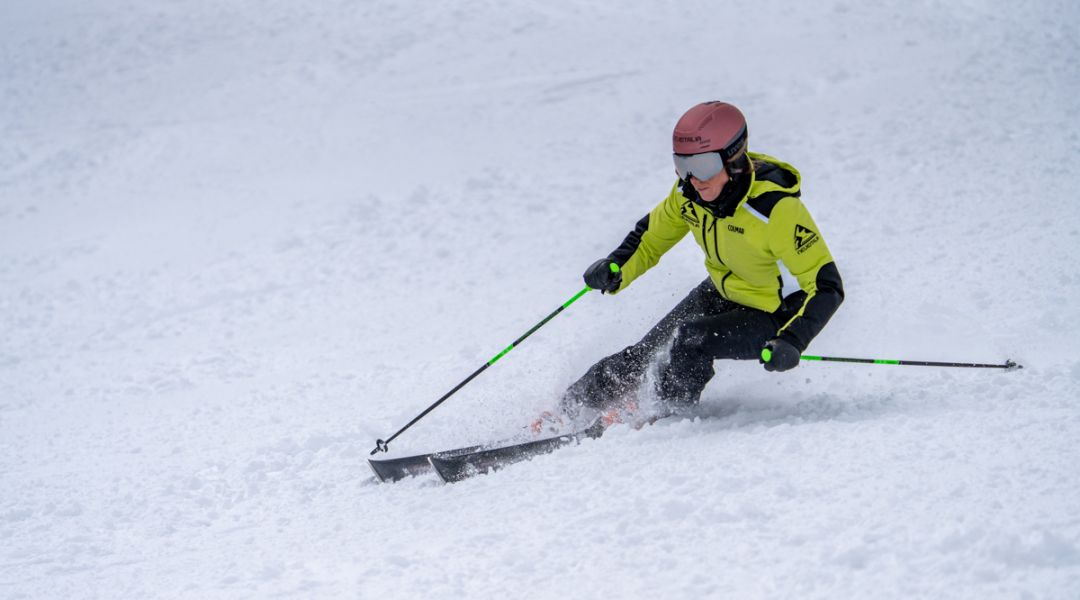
603,275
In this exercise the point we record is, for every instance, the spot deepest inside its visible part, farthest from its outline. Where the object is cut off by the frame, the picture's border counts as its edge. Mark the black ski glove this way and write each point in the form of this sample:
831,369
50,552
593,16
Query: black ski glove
779,355
603,275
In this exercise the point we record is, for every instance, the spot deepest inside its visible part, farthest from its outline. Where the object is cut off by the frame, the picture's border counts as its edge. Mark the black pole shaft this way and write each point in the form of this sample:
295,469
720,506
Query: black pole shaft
383,445
914,363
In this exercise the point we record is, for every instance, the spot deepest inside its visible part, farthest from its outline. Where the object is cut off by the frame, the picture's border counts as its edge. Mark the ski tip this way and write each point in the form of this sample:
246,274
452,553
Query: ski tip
375,470
1011,365
448,469
395,469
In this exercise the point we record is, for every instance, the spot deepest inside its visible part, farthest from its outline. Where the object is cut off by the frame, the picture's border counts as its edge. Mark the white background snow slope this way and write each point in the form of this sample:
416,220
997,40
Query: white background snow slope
241,240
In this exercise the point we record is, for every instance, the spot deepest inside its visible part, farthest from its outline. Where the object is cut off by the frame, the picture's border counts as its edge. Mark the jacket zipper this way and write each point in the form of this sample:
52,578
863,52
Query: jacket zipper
716,249
704,230
715,243
705,238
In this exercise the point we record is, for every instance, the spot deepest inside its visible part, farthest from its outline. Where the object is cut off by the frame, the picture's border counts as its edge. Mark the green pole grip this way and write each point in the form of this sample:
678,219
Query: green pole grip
614,269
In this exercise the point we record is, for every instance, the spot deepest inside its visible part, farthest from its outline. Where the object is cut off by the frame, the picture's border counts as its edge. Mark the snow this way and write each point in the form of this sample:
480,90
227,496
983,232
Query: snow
241,241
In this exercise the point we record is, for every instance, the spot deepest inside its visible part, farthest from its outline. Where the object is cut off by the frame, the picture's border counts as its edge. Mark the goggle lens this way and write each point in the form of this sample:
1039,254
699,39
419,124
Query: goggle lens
703,166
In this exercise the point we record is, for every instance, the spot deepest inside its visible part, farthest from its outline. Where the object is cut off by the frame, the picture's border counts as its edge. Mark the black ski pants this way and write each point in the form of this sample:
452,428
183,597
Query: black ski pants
703,327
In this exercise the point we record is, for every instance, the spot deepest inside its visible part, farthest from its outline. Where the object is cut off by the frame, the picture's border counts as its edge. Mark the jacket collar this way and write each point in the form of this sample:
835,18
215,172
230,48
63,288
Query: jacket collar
733,194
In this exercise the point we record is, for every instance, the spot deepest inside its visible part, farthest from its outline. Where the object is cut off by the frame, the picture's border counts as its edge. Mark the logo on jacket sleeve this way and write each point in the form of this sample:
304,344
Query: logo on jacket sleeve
804,238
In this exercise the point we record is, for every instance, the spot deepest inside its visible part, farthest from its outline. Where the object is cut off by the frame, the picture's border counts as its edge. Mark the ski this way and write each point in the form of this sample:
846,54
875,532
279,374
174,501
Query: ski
481,458
395,469
456,466
389,470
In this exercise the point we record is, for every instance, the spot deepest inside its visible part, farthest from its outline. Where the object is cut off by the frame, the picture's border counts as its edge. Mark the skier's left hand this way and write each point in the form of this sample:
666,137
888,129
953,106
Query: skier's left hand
779,355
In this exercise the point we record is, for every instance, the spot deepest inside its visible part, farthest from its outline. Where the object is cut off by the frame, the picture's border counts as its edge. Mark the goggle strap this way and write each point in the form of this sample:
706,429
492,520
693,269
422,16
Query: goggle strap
735,146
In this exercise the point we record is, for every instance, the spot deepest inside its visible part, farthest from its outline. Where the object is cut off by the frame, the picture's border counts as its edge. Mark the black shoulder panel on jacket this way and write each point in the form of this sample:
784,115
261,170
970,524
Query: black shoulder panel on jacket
767,171
631,243
766,202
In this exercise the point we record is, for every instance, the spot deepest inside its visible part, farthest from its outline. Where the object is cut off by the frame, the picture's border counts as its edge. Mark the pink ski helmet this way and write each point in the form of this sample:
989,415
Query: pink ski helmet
711,127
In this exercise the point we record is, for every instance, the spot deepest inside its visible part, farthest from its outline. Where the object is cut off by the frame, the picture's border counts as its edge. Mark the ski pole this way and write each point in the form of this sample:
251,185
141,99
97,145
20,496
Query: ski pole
1009,365
384,445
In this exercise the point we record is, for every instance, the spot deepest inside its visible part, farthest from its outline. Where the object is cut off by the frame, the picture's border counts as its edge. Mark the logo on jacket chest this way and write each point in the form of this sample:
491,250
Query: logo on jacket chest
689,216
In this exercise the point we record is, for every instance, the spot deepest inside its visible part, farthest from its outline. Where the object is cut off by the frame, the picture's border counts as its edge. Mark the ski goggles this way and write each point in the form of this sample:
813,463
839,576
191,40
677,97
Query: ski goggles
703,166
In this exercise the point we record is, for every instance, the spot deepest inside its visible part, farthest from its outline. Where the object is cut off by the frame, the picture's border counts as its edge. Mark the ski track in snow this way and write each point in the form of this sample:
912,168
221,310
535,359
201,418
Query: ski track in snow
240,242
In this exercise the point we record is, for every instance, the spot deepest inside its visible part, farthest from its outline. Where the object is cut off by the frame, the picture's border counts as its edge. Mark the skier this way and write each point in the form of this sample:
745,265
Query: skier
772,282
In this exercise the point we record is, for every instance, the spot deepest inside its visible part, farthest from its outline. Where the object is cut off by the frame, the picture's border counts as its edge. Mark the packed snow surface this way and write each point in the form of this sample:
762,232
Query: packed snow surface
240,241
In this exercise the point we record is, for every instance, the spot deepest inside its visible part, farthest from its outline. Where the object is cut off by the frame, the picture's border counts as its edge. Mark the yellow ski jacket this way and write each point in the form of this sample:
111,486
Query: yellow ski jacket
759,249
